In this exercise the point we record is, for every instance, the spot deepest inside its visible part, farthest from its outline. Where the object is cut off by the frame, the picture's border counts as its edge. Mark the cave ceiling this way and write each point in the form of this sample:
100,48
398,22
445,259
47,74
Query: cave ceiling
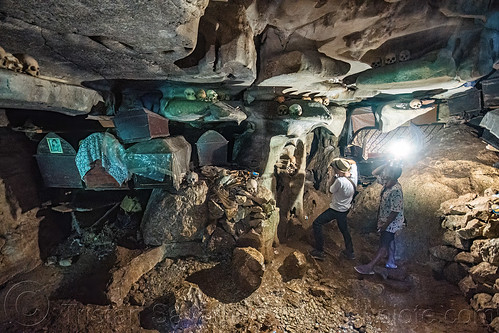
345,50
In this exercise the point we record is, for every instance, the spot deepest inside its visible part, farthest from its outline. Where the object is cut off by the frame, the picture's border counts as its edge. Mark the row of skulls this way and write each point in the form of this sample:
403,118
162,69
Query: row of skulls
317,99
21,63
392,58
201,95
295,110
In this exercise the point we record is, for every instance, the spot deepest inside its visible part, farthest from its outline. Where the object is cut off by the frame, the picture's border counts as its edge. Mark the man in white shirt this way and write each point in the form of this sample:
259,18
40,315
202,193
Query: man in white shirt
342,189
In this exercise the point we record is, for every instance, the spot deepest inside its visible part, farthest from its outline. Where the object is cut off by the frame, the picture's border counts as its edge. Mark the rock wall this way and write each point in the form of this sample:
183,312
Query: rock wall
469,256
19,251
222,210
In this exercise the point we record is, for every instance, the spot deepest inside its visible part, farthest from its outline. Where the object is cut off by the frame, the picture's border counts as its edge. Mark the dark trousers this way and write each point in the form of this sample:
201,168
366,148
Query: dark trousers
328,216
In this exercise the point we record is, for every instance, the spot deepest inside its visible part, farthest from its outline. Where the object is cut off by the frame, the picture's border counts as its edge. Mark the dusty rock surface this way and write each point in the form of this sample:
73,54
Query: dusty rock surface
171,218
300,44
194,296
19,223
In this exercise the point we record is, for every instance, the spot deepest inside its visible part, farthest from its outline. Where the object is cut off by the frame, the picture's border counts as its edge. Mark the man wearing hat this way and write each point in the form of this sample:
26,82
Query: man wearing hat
343,187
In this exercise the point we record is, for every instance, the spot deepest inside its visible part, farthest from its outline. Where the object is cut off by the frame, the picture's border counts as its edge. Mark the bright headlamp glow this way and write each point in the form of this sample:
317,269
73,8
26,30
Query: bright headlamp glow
400,149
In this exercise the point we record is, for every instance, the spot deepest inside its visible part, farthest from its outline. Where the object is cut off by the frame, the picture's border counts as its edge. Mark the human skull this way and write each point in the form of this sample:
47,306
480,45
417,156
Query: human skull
2,57
325,101
282,110
390,58
377,63
415,104
201,95
295,110
12,63
192,178
252,186
30,65
318,99
404,55
189,94
212,95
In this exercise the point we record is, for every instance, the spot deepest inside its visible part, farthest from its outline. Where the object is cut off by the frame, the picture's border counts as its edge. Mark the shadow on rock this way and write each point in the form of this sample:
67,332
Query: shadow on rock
219,282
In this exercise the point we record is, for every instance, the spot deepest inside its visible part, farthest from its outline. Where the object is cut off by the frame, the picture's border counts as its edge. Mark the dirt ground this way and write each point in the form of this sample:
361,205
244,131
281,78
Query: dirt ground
331,297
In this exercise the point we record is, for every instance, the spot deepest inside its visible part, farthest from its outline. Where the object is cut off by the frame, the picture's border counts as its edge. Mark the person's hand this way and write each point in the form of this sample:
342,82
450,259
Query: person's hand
330,172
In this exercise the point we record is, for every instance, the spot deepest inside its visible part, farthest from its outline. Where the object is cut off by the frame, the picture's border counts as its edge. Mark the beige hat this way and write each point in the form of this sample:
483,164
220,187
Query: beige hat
341,164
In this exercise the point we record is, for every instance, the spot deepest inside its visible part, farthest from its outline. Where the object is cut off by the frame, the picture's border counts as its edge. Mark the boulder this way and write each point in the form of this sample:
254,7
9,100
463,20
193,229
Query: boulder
467,286
437,265
251,239
476,248
294,266
229,226
481,215
456,206
215,210
248,267
484,273
472,230
494,325
221,242
466,258
490,251
479,204
125,276
443,252
454,272
175,217
481,302
450,237
491,230
454,222
185,249
191,307
255,223
241,214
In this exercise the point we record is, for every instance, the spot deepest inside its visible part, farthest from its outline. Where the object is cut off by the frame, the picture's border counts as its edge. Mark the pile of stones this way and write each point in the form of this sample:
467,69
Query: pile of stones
470,254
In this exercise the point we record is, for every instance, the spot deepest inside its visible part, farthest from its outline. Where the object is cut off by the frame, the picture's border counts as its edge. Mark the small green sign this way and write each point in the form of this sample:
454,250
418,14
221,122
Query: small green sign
55,146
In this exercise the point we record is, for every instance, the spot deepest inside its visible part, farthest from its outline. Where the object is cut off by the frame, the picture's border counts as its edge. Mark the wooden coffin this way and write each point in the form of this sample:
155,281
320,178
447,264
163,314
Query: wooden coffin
468,101
140,125
97,178
490,89
212,149
56,161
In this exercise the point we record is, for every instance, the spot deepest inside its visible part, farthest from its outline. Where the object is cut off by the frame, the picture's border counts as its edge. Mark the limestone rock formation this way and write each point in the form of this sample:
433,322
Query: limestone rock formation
294,266
248,268
173,218
125,276
19,221
396,45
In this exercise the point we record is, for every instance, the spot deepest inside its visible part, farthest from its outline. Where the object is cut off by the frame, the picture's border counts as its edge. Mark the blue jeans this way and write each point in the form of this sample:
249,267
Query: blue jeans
328,216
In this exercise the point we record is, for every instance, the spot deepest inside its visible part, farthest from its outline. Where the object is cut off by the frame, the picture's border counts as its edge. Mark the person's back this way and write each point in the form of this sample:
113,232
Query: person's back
343,190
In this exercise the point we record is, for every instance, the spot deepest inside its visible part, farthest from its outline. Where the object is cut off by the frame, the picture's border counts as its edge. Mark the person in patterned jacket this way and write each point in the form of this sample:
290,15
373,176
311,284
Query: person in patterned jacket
390,215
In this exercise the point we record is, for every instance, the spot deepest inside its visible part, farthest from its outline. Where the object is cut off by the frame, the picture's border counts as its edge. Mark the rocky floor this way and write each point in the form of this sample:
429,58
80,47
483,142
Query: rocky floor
193,296
188,295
